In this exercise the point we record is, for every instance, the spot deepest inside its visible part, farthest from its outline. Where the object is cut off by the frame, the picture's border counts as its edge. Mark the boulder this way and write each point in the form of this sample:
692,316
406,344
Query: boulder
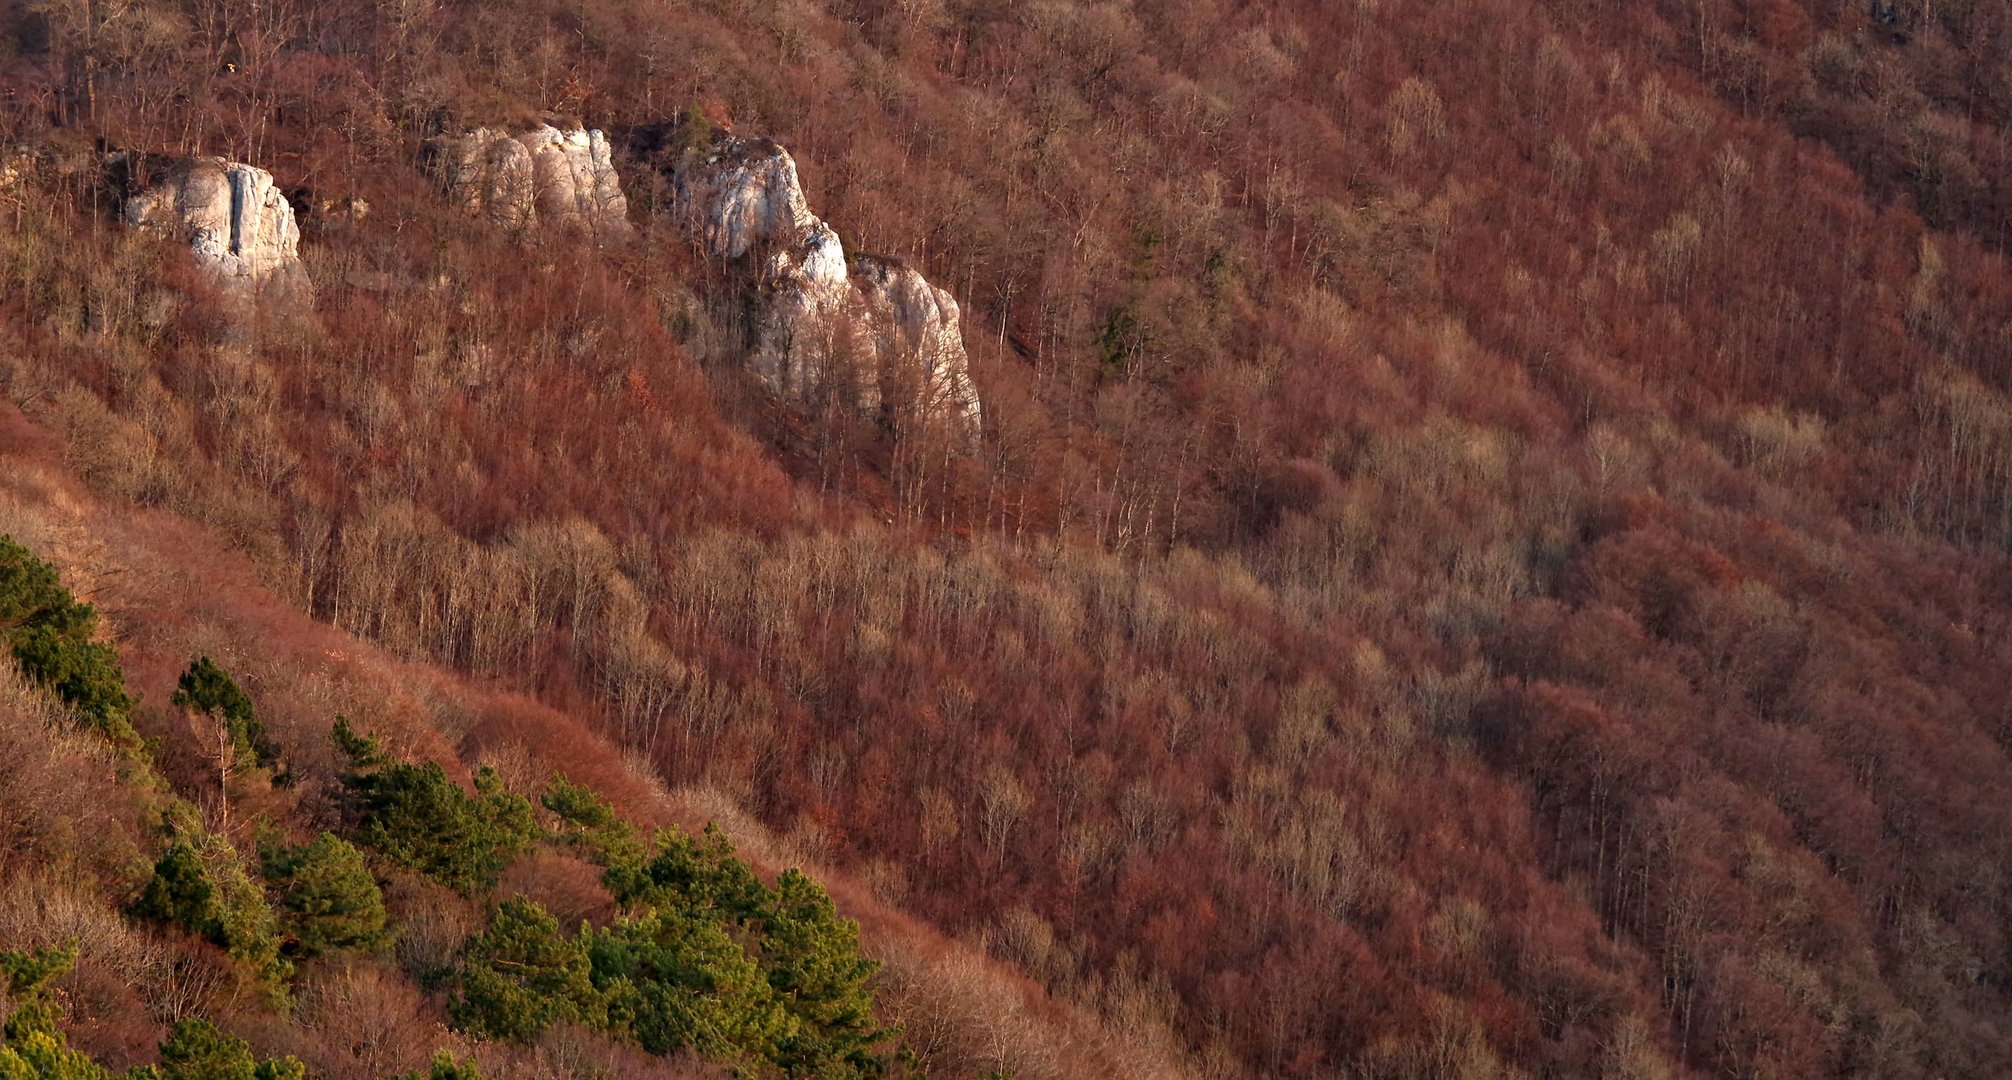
232,216
543,178
16,164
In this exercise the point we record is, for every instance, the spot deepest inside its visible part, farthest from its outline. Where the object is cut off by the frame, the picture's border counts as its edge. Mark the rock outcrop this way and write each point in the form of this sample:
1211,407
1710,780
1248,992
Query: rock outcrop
864,329
231,215
543,178
919,335
800,338
741,195
16,164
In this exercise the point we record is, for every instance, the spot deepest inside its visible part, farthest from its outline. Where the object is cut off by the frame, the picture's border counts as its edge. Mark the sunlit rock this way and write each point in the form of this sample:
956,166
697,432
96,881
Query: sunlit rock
864,330
919,336
741,195
231,214
797,351
543,178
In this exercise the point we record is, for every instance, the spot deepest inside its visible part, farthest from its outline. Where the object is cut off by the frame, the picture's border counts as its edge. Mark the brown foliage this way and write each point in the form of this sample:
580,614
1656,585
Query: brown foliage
1497,507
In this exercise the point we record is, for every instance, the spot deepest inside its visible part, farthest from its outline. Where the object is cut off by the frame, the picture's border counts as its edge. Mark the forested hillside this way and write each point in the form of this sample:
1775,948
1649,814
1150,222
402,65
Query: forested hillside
1485,552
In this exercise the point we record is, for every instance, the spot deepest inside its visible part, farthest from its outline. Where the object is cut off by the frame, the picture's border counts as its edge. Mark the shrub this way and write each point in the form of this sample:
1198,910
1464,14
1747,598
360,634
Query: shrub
695,130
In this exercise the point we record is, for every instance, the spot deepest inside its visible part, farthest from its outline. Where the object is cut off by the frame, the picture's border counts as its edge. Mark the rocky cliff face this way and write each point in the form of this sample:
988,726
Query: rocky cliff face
919,335
742,195
802,344
544,178
864,329
231,214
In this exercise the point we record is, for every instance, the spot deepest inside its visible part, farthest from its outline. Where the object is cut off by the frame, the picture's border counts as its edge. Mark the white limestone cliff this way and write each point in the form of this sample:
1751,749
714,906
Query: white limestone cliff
796,348
489,173
543,178
920,334
231,214
865,329
744,194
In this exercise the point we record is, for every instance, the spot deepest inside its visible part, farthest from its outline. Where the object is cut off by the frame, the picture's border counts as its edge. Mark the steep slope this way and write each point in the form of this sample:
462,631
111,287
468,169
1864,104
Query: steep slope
1497,508
75,822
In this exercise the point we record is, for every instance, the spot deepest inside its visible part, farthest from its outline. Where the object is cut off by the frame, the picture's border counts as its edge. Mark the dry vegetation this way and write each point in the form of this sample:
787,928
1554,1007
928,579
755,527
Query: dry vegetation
1489,551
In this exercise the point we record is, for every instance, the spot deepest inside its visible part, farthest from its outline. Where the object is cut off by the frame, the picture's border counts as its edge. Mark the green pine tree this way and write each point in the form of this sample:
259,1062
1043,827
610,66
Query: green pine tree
360,749
445,1067
677,979
507,818
82,672
589,822
208,689
247,928
689,874
25,980
31,1046
422,821
522,975
49,634
201,885
180,893
46,1056
196,1050
329,899
813,962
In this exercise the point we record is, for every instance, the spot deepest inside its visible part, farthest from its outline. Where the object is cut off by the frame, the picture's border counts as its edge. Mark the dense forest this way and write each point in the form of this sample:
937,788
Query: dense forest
1488,552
